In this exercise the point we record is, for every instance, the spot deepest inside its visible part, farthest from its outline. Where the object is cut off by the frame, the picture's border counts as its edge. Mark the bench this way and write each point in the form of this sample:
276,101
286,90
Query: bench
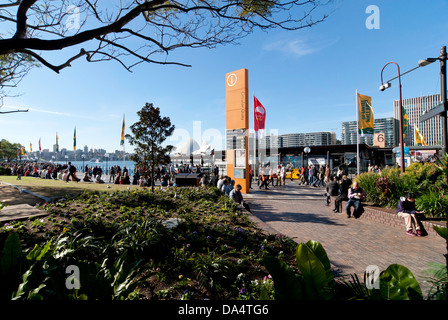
382,216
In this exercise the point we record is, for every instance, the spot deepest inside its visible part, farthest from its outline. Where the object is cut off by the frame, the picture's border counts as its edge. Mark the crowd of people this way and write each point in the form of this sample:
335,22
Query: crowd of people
65,172
268,176
338,185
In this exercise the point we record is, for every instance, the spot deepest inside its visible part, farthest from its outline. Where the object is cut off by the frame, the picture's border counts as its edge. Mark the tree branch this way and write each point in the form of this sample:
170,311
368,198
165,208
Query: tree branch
12,4
22,17
49,65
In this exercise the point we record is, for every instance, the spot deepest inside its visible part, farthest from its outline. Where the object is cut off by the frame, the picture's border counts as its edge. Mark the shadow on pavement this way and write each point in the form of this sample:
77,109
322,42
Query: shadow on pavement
265,212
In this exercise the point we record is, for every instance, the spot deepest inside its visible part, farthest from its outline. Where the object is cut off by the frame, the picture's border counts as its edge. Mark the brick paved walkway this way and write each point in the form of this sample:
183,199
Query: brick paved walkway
351,244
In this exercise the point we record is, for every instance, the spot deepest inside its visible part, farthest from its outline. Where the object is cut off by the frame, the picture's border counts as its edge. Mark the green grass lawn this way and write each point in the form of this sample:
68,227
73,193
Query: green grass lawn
58,188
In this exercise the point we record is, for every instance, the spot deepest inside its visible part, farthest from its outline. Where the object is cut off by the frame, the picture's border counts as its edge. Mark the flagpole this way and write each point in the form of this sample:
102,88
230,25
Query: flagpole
124,145
357,133
74,146
255,142
57,147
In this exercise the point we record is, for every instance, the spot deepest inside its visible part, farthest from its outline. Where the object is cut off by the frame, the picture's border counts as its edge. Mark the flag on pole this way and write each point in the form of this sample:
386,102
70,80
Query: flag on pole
259,118
365,116
23,153
31,147
419,138
57,142
40,148
74,140
122,133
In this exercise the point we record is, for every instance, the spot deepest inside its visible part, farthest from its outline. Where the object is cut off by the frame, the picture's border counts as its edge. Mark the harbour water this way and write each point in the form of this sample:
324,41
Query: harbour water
104,165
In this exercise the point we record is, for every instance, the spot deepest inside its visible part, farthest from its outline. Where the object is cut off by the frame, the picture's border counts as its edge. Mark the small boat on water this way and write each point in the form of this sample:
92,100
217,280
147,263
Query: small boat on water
95,160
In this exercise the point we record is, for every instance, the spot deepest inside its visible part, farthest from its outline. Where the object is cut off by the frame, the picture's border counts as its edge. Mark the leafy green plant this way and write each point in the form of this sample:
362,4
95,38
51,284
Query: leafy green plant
10,263
315,280
436,275
367,181
398,283
24,291
433,203
211,270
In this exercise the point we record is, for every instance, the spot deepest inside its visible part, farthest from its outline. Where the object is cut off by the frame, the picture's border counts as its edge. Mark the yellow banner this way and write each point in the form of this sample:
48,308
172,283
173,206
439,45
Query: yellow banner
365,119
419,138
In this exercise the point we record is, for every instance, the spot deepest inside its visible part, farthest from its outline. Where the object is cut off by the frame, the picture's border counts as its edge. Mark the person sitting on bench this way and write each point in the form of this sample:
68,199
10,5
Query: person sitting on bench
355,195
406,209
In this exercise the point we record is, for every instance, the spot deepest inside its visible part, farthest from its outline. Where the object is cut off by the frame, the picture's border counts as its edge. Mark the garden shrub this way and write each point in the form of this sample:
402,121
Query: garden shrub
426,180
367,181
434,203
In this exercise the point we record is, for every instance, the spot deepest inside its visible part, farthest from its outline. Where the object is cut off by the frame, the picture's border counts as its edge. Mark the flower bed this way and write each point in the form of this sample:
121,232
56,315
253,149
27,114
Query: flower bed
182,243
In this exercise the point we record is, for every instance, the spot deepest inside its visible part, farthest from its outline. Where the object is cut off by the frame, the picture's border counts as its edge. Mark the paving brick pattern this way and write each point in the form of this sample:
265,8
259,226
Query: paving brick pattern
351,244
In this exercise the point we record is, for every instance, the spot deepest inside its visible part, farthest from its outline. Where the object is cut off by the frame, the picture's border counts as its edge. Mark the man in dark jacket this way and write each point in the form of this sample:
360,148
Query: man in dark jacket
406,209
332,190
71,173
235,195
344,185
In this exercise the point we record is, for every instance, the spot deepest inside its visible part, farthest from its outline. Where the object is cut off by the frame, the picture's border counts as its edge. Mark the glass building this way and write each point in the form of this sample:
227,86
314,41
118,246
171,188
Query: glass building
381,125
415,107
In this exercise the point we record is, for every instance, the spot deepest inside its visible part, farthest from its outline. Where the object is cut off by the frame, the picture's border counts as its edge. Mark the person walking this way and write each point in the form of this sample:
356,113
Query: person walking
277,177
332,191
251,175
303,176
19,173
320,177
71,170
313,176
283,175
327,174
264,182
355,196
112,174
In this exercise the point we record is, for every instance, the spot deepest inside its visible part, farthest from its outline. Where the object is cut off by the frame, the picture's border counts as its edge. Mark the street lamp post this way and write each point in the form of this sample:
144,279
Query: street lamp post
307,150
83,156
440,110
443,94
107,158
384,87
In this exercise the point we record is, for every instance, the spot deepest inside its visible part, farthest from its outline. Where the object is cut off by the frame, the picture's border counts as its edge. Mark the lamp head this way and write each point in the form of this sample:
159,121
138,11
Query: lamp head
426,61
385,86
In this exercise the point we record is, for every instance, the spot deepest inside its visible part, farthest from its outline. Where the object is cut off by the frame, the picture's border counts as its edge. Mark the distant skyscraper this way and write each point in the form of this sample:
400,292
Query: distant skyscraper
384,125
293,140
430,129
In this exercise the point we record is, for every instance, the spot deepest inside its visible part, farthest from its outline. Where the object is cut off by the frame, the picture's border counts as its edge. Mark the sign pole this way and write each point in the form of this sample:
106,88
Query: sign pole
357,133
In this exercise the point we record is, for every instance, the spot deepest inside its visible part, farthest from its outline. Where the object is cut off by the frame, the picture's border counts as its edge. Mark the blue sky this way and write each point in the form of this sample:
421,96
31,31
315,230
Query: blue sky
306,80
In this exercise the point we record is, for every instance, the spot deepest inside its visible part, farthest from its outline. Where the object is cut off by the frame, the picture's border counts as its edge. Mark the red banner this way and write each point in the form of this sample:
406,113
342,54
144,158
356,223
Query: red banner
259,118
